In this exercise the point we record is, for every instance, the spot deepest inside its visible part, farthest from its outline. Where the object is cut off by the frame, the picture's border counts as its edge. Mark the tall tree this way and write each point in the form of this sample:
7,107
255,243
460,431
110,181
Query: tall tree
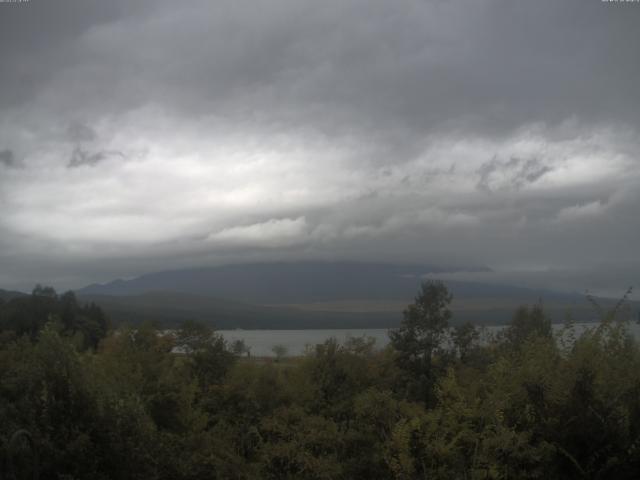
527,322
420,336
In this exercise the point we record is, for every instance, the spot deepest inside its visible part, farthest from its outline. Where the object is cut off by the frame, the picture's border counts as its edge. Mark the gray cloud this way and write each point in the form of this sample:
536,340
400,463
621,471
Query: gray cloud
8,159
513,173
482,131
81,157
79,132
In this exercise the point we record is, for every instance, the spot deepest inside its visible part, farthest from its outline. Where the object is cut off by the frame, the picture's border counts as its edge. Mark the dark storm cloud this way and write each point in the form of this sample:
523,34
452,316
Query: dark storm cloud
485,131
81,157
517,172
81,133
414,64
37,39
8,159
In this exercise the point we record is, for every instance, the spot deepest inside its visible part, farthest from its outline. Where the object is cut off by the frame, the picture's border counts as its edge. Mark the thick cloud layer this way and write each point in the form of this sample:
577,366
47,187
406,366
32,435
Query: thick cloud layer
140,136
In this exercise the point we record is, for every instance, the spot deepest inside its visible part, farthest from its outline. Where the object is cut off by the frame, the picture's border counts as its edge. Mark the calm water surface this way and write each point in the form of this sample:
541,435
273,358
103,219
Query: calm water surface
296,342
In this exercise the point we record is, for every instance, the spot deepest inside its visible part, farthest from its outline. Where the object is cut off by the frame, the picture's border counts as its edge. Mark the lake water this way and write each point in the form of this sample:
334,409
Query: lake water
296,342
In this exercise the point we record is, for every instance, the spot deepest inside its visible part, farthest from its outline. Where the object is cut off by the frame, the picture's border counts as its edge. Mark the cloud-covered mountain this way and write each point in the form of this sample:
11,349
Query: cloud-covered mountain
312,282
314,295
9,294
286,282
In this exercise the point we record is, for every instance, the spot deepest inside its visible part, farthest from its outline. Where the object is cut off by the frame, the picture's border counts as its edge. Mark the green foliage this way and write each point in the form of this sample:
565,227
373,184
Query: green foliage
27,315
239,348
299,446
464,339
527,322
208,356
280,351
145,404
79,426
420,337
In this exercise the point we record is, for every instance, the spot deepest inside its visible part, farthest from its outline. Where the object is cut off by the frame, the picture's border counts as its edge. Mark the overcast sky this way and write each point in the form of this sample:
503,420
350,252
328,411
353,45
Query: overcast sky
148,135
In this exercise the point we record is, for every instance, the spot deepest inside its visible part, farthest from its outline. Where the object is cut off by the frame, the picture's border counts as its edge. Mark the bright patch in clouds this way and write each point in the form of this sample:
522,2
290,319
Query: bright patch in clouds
578,212
256,185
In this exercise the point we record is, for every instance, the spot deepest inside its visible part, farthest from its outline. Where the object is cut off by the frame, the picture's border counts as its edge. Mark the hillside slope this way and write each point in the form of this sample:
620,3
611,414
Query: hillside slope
313,295
171,308
9,294
304,282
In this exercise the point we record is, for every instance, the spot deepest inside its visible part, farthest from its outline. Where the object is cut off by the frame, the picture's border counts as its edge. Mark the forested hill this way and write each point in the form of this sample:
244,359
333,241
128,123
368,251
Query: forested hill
9,294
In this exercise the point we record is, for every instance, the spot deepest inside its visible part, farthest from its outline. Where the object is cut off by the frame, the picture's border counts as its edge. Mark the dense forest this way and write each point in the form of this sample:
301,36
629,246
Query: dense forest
135,403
